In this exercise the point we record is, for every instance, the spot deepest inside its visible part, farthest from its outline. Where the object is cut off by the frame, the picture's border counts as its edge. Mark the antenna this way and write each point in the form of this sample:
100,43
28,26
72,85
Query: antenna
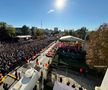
41,24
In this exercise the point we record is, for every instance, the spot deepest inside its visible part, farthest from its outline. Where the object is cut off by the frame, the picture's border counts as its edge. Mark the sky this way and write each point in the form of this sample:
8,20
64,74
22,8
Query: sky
72,14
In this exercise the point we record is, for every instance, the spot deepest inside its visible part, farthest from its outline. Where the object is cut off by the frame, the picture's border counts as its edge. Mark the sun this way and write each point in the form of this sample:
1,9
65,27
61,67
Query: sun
59,4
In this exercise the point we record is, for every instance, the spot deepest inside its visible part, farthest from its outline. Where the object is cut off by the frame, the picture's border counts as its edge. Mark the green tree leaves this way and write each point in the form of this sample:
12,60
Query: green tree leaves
39,32
6,31
81,33
25,30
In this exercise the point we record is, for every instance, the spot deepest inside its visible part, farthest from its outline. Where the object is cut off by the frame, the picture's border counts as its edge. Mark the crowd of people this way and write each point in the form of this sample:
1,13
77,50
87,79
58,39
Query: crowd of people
72,51
13,54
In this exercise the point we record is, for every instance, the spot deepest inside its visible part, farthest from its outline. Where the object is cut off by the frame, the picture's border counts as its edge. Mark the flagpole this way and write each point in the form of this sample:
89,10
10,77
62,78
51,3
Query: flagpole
41,24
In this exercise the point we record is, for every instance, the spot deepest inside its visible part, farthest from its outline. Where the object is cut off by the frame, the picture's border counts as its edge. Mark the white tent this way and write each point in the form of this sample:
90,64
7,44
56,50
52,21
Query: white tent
27,82
24,36
70,38
61,86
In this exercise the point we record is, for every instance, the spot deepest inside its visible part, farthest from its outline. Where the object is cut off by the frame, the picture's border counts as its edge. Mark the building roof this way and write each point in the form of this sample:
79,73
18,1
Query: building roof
70,38
23,36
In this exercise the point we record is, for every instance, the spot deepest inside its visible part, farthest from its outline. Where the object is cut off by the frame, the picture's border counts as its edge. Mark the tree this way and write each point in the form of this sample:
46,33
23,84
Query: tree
25,30
81,33
66,32
56,31
103,43
6,31
11,31
39,32
33,32
71,32
97,53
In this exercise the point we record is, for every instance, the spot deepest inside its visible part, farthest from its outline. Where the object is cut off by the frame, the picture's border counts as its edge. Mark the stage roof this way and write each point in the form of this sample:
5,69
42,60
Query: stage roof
70,38
24,36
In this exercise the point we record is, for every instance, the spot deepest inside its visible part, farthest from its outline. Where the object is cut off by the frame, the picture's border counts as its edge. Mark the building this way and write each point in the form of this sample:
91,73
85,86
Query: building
55,28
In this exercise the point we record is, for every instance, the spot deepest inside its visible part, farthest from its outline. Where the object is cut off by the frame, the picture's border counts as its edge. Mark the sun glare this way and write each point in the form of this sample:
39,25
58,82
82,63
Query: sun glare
59,4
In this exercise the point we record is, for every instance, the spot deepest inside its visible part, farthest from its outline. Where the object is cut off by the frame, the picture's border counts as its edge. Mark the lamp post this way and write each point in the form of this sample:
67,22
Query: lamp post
85,44
42,83
41,24
42,87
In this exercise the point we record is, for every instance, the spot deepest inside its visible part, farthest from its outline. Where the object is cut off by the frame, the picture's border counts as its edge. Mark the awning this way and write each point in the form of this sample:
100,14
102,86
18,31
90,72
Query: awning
71,39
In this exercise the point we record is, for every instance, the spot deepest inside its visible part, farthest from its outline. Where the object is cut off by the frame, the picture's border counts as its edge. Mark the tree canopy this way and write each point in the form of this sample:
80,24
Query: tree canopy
97,52
80,33
6,31
25,30
39,32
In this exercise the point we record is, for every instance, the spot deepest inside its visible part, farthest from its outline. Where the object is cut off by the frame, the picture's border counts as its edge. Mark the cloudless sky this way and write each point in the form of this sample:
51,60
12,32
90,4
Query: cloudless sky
75,14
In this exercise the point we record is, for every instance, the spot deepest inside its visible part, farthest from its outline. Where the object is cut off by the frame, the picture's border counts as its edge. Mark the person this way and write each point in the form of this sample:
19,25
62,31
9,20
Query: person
80,88
5,86
81,70
73,86
19,75
16,75
1,76
61,79
42,81
86,72
37,63
68,83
